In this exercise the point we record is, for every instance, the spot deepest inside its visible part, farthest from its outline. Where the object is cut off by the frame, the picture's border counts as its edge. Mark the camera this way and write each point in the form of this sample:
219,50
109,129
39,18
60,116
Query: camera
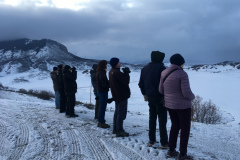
126,70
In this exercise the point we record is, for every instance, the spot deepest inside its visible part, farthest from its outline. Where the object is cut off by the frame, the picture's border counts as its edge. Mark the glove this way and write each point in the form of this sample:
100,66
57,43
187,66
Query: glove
126,70
145,97
110,100
73,69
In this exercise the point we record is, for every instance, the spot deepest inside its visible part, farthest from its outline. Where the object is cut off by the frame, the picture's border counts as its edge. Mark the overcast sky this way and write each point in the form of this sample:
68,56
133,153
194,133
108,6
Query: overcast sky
203,31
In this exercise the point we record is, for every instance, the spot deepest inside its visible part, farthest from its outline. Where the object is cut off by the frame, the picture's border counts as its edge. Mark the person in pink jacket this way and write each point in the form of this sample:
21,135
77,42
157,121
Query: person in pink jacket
174,85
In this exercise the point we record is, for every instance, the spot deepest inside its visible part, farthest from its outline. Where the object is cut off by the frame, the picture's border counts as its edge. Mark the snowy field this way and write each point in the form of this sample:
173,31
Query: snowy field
31,128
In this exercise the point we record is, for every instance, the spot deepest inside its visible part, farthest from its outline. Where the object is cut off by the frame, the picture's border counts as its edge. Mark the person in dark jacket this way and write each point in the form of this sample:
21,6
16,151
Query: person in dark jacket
178,96
93,73
102,92
119,84
54,76
61,89
70,88
149,83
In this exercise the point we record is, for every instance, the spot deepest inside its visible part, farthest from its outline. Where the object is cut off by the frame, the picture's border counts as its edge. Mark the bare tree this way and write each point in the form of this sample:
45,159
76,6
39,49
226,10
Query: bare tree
205,112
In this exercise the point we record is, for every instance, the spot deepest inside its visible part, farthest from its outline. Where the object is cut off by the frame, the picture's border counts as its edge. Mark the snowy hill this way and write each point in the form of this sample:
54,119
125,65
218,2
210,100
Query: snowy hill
217,68
24,54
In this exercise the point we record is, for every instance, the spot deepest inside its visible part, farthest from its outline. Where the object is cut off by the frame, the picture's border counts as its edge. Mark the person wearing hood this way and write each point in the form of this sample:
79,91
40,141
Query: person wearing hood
148,83
54,76
102,92
119,84
70,88
175,87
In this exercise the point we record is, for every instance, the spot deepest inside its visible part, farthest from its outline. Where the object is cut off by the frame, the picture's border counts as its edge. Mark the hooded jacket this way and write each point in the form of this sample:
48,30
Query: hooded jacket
149,79
69,78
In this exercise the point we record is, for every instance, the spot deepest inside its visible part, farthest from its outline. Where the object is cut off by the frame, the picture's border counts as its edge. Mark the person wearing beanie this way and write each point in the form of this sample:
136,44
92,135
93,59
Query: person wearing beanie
174,85
102,92
70,89
148,83
54,76
93,74
114,61
119,84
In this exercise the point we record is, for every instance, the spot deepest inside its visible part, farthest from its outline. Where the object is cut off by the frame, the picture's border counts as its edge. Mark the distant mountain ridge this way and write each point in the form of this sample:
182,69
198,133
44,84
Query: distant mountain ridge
23,54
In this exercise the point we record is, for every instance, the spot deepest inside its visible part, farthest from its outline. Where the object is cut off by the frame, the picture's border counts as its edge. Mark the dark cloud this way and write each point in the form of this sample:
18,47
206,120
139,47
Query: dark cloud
202,31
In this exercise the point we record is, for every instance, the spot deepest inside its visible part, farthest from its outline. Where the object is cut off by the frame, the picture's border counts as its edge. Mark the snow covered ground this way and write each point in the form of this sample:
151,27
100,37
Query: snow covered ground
31,128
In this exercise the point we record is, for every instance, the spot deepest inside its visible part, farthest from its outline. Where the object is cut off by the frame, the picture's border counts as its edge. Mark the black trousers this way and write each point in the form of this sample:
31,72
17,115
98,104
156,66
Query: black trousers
70,103
181,120
120,115
156,109
62,101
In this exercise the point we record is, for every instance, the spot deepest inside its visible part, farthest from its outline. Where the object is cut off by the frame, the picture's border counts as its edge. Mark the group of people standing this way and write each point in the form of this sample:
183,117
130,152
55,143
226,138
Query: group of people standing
165,89
65,87
118,82
168,90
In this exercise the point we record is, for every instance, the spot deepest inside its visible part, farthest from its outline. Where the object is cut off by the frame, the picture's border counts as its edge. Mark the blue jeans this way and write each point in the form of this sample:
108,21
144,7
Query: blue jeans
103,96
57,99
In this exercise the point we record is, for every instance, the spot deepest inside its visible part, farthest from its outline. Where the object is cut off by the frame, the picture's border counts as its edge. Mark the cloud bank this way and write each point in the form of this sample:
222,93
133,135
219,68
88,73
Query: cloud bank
202,31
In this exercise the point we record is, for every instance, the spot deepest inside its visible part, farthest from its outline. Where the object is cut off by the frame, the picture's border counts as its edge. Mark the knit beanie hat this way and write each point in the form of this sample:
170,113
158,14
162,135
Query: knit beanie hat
55,68
177,59
114,61
157,56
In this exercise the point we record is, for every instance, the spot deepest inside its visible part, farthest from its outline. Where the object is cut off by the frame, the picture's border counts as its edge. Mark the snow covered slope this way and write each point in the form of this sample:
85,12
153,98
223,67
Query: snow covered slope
31,128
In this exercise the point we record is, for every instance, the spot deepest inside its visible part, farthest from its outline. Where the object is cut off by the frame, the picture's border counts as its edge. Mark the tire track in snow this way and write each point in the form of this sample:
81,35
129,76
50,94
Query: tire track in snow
73,142
92,138
3,131
21,139
21,142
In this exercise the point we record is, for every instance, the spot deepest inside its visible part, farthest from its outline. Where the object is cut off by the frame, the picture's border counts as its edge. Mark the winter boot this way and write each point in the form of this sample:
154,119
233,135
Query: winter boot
185,157
122,134
172,154
103,125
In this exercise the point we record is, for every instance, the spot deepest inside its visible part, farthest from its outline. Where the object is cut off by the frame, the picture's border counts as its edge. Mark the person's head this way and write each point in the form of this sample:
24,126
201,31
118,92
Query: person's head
67,67
94,67
102,65
157,56
55,69
177,59
115,63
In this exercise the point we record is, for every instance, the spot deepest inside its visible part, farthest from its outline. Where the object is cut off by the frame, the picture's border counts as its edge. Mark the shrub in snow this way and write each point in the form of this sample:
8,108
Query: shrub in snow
205,112
1,86
46,95
24,91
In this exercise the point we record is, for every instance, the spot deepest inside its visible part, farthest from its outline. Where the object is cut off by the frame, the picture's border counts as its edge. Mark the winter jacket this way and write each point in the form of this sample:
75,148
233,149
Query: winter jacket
94,80
102,81
119,84
60,81
149,79
69,78
176,88
54,77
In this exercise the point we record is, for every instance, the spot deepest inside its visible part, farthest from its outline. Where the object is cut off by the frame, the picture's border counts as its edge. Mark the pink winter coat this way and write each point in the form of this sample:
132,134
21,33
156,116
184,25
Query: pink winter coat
176,88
